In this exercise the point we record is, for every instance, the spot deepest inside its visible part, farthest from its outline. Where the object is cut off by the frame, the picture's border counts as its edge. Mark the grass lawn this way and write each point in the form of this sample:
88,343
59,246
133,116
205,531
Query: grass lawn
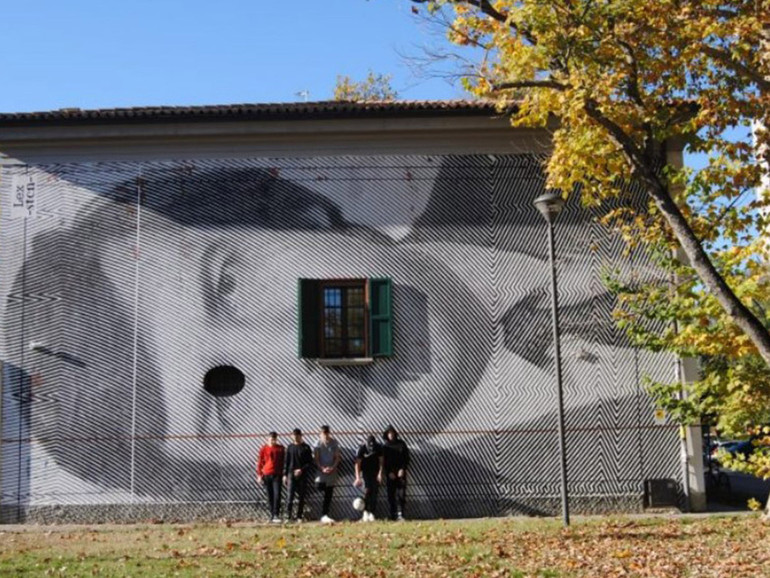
596,547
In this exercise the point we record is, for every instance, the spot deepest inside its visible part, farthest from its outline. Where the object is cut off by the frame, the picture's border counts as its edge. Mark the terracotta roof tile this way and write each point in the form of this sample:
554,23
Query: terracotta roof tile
257,111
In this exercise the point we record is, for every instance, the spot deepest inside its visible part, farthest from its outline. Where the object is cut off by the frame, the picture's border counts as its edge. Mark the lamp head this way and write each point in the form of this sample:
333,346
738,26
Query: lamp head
550,205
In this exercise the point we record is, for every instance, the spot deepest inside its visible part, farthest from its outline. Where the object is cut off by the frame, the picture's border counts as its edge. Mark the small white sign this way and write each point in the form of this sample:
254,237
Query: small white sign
23,196
660,416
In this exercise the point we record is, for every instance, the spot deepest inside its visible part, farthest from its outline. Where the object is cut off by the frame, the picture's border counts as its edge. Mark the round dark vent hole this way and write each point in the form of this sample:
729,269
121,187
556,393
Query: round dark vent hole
224,380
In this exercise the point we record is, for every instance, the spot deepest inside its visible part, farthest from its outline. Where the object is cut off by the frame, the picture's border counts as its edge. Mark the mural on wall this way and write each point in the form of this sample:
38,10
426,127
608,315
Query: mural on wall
133,280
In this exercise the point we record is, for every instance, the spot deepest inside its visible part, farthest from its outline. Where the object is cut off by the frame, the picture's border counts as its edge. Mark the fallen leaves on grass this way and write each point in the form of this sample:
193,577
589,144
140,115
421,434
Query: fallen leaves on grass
511,548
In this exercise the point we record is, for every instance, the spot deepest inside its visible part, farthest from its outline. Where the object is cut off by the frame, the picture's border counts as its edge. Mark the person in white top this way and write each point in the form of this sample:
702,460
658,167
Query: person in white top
327,459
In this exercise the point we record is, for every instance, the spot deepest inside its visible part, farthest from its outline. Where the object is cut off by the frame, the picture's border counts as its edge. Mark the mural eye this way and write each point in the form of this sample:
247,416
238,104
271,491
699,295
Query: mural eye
229,289
226,285
223,284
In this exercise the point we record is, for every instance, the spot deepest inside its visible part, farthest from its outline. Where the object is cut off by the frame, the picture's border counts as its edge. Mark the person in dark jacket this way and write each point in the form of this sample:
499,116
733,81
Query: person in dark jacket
269,468
369,471
395,463
296,471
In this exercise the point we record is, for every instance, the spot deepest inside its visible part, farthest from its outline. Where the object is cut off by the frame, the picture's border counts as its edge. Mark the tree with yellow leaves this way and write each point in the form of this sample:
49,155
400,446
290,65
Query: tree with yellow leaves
374,88
619,81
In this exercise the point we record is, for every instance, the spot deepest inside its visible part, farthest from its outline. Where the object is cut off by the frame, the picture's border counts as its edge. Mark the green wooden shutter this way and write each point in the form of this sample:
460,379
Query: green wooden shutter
309,317
380,317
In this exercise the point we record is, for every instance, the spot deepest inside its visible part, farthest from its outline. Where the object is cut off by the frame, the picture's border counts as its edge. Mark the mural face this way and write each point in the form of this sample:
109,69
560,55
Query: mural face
148,275
239,308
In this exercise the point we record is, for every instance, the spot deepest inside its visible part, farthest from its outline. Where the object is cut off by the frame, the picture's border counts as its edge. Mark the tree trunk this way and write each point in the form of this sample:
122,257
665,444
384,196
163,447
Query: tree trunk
711,278
763,155
767,509
700,261
642,162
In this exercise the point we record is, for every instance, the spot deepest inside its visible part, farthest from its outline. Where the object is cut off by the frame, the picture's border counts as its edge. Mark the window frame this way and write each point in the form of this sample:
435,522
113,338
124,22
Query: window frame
378,319
363,284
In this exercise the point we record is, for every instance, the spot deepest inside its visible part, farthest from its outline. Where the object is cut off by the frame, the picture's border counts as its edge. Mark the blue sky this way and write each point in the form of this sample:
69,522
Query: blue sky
102,54
91,54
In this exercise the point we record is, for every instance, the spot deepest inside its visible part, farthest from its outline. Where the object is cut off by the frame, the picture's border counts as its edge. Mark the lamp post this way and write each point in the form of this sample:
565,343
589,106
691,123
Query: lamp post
550,205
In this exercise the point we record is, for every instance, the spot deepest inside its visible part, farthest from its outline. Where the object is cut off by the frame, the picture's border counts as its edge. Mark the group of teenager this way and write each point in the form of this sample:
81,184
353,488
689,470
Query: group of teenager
293,466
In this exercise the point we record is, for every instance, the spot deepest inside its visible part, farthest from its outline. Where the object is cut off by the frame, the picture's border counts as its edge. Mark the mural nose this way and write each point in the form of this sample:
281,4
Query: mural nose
224,381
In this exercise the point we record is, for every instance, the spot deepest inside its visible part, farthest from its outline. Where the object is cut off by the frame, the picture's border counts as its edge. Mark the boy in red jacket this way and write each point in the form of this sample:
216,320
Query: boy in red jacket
269,471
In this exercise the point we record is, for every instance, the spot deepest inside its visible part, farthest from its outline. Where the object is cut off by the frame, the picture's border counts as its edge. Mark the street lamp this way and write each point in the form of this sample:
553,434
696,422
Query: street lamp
550,205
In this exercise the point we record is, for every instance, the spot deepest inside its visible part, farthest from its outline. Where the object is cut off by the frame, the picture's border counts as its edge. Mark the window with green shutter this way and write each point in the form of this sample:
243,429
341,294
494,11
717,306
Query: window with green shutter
380,317
345,318
307,302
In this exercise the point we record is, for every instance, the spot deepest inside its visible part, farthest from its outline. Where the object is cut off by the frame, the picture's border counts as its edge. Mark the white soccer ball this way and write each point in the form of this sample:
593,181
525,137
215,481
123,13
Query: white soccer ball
358,504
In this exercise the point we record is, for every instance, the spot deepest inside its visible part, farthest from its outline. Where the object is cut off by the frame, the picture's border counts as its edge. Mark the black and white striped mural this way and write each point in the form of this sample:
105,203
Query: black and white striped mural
124,283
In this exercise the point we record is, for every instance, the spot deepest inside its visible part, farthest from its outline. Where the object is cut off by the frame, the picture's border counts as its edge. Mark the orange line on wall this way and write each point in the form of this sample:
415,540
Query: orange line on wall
186,437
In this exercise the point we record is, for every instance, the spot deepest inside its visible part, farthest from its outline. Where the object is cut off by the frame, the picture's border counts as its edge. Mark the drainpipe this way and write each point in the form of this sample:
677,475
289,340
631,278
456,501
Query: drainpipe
690,436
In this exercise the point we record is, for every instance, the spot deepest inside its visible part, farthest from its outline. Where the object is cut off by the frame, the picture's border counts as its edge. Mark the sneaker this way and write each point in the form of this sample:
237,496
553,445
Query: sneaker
275,520
326,520
371,517
400,517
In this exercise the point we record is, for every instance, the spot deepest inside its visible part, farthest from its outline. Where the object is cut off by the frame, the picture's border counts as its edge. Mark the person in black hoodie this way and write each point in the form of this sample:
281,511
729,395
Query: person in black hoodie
396,463
296,471
369,471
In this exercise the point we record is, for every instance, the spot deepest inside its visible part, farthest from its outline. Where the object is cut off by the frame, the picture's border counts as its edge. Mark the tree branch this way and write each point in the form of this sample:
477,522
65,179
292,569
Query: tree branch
619,136
635,94
727,59
684,111
632,82
482,5
530,84
722,13
485,7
